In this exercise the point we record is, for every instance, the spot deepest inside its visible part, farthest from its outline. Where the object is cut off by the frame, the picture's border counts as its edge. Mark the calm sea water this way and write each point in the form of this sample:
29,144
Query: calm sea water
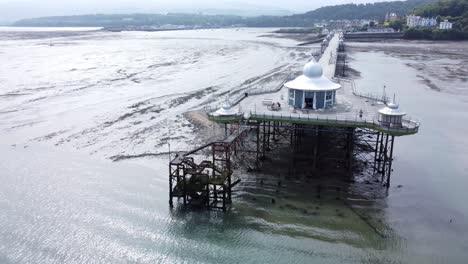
59,206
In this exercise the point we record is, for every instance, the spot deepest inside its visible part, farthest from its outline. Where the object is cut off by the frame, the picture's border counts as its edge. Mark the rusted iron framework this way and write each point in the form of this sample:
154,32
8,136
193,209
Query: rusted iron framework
345,151
208,183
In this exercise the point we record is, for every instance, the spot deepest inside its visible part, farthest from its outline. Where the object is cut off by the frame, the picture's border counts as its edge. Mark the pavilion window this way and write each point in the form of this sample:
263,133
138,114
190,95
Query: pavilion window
291,97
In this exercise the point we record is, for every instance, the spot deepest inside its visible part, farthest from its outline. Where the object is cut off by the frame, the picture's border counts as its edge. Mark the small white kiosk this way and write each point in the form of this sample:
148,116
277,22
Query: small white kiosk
226,110
391,116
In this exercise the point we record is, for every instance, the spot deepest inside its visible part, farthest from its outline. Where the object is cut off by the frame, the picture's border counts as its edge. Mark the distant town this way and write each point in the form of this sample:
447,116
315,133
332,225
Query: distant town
442,20
411,19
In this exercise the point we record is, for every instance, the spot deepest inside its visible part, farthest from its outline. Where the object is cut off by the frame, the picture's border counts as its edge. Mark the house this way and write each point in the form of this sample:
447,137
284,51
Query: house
445,25
417,21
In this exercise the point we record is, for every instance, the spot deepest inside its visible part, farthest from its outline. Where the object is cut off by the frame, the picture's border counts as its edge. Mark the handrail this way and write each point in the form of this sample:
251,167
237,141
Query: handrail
408,125
263,90
252,91
369,95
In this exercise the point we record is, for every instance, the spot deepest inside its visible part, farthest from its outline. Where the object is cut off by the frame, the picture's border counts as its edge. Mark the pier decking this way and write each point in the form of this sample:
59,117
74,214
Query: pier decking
353,109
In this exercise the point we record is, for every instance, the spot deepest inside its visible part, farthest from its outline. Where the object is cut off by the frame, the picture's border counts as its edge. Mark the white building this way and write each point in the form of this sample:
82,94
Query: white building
445,25
412,20
417,21
428,22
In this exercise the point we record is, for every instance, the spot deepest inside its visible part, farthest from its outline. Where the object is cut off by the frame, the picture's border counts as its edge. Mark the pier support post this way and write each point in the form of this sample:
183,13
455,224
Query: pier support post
274,131
316,142
349,149
207,190
291,135
292,157
213,172
170,187
224,198
229,171
184,187
377,146
380,145
264,132
389,172
385,157
268,135
258,146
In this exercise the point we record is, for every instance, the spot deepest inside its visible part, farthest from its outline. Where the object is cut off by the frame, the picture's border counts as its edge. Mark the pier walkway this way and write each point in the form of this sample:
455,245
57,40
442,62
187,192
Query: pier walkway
353,109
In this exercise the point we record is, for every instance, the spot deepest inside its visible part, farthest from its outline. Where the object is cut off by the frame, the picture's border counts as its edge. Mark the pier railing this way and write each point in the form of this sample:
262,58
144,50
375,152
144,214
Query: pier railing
266,90
236,99
409,126
372,96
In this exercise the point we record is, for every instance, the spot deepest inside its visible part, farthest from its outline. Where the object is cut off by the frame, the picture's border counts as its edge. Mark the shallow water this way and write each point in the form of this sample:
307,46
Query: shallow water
58,206
77,210
431,165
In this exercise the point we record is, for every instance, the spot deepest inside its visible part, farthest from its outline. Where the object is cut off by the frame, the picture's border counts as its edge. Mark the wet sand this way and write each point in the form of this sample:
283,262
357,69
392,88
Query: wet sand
126,95
441,65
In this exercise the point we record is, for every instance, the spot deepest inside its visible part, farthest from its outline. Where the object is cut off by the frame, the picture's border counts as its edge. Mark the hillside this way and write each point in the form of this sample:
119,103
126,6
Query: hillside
453,8
347,11
364,11
455,11
120,20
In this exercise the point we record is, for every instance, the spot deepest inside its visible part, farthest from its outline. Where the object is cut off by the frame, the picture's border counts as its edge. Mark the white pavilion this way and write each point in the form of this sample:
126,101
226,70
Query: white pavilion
312,90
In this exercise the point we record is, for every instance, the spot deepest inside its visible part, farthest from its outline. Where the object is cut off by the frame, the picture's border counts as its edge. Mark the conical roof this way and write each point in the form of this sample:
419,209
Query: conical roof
226,110
392,109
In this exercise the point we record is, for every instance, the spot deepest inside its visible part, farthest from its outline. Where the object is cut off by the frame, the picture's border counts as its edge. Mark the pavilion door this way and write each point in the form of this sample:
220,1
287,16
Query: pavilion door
309,102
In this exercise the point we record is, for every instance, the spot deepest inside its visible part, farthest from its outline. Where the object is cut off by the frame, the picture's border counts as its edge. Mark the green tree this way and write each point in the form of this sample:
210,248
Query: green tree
396,25
455,11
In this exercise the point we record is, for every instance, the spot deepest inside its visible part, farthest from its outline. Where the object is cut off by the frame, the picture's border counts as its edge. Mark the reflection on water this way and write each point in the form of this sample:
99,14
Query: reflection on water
327,205
78,210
